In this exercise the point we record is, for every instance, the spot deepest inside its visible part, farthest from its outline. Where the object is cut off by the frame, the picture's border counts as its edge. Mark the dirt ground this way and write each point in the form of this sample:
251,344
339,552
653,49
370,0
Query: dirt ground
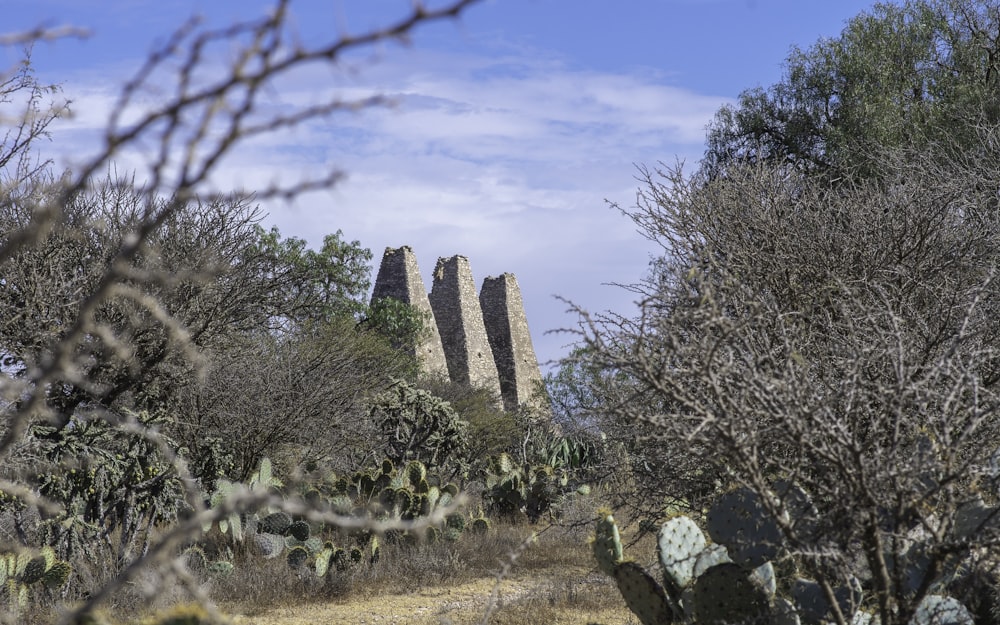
553,596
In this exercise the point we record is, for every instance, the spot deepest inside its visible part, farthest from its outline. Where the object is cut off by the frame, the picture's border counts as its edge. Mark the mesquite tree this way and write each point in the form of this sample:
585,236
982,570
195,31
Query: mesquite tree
840,337
902,74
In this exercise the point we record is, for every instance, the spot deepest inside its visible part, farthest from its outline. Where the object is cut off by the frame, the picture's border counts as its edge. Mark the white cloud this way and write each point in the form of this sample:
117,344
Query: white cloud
505,160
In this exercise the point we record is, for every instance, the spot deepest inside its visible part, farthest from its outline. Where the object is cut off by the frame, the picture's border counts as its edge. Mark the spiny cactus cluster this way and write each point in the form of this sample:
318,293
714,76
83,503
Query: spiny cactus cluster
334,558
406,494
385,492
531,490
733,580
107,480
23,572
414,424
263,478
280,534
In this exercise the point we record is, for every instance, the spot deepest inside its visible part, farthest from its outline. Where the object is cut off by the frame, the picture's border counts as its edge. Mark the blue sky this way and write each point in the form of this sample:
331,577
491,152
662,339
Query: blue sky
511,128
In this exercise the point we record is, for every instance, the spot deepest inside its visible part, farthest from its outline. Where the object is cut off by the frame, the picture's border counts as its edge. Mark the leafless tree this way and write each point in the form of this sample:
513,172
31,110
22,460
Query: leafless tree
838,337
307,404
120,320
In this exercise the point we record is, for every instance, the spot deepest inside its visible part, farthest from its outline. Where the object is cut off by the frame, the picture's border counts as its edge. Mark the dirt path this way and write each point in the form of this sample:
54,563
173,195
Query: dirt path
460,604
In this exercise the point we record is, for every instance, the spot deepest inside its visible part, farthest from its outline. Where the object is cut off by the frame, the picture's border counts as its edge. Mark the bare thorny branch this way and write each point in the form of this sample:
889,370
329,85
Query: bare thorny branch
843,340
208,112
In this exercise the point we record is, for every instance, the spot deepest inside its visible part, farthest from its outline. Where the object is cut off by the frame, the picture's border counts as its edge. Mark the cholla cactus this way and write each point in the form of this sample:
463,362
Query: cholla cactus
24,572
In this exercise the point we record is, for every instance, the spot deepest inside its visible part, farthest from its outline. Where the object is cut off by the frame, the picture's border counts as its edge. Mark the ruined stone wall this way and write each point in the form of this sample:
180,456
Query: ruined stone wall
460,322
481,339
399,278
510,340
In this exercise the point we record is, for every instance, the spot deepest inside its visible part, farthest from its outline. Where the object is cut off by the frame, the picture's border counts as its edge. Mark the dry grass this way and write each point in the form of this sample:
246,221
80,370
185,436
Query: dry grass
551,578
263,584
569,601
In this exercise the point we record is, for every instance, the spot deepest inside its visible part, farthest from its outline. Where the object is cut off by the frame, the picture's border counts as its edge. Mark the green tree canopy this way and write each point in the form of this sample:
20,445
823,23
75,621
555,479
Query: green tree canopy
316,285
913,74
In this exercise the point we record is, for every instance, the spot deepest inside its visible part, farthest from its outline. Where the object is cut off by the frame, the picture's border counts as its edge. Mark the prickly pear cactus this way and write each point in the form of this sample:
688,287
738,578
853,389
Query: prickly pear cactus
23,572
764,577
313,545
269,545
297,557
264,478
57,576
726,594
322,562
607,544
704,585
275,523
642,594
300,530
480,525
339,559
712,555
454,526
374,550
738,521
938,610
416,472
34,570
220,567
387,467
232,524
813,607
798,509
679,543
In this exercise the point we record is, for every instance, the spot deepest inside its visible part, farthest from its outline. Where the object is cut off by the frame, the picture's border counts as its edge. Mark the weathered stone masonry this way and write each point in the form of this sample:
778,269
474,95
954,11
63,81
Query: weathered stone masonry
460,322
481,340
399,278
510,340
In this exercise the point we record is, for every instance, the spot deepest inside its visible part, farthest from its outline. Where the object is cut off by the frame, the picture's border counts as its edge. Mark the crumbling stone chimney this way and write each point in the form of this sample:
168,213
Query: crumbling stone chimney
479,340
399,278
460,323
507,329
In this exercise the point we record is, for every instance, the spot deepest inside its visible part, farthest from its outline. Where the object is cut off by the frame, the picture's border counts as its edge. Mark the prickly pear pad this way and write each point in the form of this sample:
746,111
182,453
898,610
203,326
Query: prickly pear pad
679,543
642,594
607,545
726,594
938,610
813,606
739,521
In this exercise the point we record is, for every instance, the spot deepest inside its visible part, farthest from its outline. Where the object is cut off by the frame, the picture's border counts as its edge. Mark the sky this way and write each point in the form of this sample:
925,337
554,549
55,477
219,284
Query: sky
511,132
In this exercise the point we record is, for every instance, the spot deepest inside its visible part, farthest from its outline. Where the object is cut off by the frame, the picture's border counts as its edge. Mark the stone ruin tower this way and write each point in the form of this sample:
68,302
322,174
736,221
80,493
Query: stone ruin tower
399,278
460,322
510,340
480,340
